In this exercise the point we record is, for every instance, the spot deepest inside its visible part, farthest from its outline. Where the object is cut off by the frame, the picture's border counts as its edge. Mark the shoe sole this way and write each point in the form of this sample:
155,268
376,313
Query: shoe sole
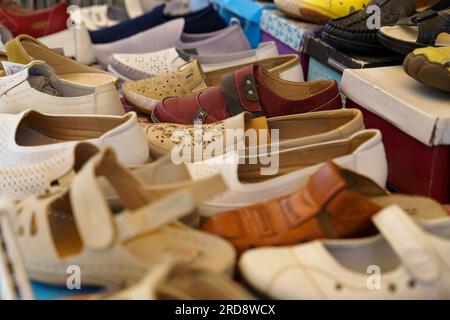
308,15
340,43
429,73
402,47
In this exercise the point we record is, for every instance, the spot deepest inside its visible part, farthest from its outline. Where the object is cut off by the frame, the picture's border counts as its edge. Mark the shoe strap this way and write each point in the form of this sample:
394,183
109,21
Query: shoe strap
99,227
430,24
240,92
410,243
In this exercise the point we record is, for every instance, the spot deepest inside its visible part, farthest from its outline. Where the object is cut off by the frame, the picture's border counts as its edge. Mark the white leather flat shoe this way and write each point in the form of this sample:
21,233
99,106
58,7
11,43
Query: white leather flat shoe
362,152
35,86
409,260
35,148
145,65
114,243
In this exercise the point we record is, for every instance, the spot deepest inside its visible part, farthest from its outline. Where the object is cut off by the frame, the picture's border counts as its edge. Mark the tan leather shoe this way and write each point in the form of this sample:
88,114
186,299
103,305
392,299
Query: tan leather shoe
294,130
335,203
190,78
24,49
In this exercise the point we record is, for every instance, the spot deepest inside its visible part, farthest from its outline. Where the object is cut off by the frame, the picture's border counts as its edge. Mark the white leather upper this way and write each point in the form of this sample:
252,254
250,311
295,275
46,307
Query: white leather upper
26,170
310,271
16,95
368,159
141,66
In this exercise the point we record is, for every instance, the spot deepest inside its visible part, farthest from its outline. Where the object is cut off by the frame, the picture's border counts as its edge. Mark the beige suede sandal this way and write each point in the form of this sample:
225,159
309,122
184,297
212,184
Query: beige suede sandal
113,242
24,49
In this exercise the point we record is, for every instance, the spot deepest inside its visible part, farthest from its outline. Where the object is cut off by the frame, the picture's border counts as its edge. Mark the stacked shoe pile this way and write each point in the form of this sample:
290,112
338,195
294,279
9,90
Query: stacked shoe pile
245,167
418,29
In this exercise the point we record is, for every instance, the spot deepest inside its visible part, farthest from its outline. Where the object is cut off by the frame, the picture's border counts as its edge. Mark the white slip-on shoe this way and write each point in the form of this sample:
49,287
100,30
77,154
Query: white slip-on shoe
114,243
160,37
287,170
75,43
284,172
224,41
140,66
31,137
409,260
35,86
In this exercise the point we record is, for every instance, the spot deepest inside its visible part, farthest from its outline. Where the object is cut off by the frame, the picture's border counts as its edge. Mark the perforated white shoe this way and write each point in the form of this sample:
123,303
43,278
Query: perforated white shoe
35,86
37,149
409,260
146,65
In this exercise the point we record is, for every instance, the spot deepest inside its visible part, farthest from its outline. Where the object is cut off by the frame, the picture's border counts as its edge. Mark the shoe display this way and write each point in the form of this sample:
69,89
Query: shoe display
190,78
37,87
251,89
175,280
428,28
319,11
206,20
251,181
24,49
32,137
130,239
141,66
335,203
225,150
35,23
431,66
354,32
411,255
320,126
168,35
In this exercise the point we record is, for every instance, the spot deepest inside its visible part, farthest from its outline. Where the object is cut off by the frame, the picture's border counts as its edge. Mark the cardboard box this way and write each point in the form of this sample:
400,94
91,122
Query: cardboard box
329,63
415,122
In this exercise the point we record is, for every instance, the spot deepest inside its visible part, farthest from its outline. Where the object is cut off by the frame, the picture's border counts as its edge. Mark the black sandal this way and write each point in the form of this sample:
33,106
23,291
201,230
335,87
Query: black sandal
352,32
428,28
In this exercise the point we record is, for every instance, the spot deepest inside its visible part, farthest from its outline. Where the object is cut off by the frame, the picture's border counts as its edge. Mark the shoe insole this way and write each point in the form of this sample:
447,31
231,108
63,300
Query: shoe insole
88,79
411,33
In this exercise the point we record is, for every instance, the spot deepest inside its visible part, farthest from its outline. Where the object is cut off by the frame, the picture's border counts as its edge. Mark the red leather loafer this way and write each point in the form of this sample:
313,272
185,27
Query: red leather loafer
35,23
251,89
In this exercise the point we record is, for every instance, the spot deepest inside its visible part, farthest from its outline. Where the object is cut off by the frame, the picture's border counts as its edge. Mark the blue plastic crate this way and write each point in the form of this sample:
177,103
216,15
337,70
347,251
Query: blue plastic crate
247,12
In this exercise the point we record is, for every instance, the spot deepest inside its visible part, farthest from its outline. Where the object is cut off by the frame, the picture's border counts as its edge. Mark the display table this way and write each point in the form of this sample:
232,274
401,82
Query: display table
415,122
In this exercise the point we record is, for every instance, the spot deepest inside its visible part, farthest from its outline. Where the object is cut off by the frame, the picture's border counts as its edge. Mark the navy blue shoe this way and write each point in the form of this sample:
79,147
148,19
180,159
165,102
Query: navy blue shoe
206,20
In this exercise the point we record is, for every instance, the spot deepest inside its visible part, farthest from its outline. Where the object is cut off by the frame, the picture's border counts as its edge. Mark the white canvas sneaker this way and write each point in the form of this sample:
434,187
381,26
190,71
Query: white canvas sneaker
35,86
145,65
36,149
409,260
363,152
